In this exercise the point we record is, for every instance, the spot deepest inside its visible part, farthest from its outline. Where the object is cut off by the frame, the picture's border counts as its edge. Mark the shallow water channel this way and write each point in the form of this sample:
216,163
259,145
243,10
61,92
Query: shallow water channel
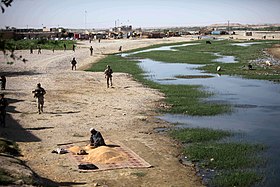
256,106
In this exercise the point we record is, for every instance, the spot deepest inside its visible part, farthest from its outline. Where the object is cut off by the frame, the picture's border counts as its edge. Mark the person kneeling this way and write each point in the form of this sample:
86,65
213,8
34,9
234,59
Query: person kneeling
96,138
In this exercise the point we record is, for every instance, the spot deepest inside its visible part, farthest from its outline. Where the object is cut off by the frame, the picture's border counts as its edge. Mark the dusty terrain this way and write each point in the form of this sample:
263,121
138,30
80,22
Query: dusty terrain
275,51
78,100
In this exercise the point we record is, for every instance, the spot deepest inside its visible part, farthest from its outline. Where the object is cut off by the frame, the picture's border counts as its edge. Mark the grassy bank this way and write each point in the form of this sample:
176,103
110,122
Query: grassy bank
231,162
203,54
184,99
43,43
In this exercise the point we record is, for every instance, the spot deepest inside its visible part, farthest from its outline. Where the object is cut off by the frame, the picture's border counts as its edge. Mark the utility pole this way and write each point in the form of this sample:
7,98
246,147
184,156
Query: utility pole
85,20
228,26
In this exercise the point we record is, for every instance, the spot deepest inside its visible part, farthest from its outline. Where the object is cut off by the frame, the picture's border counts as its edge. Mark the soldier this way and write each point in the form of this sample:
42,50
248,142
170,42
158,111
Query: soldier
96,138
3,82
91,50
74,62
3,105
39,50
39,93
108,75
73,47
64,45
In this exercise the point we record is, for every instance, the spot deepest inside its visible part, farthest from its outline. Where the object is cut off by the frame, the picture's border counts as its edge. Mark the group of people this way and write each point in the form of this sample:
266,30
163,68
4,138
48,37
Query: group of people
96,138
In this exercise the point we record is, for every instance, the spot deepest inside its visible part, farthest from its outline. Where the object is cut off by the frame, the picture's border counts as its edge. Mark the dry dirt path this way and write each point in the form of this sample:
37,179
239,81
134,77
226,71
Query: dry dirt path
78,100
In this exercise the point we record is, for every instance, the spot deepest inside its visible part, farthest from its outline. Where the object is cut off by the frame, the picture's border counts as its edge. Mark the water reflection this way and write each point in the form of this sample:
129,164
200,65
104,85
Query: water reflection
163,48
246,44
224,59
256,105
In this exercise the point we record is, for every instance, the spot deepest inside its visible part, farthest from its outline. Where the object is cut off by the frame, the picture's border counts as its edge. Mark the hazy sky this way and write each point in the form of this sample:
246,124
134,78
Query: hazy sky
139,13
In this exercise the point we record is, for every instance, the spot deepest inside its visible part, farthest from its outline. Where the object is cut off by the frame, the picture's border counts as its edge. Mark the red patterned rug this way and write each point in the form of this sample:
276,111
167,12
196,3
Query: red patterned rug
132,159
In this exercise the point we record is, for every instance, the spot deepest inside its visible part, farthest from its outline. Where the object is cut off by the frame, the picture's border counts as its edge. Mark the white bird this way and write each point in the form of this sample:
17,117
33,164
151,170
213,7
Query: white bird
268,63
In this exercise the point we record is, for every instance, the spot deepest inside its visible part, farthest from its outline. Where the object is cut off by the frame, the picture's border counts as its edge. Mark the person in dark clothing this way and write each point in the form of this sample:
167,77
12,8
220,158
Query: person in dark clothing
74,47
3,105
91,50
39,50
39,93
3,82
74,62
64,45
108,75
96,138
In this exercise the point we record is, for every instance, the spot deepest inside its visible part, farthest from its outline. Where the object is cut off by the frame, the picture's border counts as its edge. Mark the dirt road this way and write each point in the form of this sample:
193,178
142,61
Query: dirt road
78,100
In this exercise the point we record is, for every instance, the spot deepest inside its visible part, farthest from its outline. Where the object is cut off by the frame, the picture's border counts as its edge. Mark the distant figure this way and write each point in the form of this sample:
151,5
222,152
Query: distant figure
219,68
73,62
91,50
64,45
31,50
3,82
96,138
99,40
250,67
108,75
74,47
24,60
53,49
39,93
120,49
39,50
3,105
208,42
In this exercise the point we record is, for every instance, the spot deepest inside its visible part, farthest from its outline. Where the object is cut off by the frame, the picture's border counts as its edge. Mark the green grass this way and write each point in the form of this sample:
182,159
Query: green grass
43,43
202,54
231,161
186,99
183,98
194,135
224,155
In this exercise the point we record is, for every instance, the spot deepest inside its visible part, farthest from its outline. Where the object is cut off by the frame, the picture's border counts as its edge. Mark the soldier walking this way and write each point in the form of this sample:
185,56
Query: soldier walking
91,50
3,105
108,75
3,82
39,93
74,62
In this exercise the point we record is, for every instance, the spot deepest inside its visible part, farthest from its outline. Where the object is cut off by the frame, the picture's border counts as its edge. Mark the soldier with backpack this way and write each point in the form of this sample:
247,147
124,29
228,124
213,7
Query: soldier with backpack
39,93
108,75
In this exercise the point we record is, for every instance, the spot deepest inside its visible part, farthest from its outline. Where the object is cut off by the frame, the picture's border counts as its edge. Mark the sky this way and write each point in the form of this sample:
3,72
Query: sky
88,14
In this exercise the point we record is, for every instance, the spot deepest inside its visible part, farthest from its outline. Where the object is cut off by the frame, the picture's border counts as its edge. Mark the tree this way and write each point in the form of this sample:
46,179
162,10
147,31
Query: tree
5,4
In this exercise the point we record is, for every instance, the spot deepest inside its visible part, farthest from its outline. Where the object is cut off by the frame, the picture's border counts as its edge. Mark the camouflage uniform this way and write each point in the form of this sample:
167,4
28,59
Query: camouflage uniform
39,93
108,75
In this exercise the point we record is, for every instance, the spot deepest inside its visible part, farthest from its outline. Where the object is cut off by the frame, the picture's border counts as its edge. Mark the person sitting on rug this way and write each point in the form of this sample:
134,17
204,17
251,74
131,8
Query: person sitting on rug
96,138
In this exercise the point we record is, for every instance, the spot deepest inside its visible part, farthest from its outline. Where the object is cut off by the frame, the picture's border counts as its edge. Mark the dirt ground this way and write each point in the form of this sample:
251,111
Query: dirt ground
78,100
275,51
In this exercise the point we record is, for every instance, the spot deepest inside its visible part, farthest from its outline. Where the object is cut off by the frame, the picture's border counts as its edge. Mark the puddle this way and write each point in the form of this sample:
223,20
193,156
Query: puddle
224,59
163,48
256,105
246,44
